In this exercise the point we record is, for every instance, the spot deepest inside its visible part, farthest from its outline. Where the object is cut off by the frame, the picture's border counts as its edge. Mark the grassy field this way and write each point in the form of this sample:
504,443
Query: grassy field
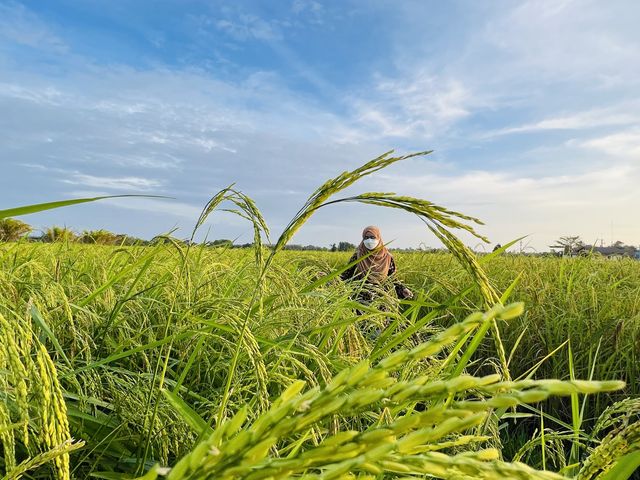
185,362
587,306
123,324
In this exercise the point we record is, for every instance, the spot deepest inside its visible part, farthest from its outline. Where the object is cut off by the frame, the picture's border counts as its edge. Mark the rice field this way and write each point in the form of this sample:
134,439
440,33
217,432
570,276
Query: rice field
177,361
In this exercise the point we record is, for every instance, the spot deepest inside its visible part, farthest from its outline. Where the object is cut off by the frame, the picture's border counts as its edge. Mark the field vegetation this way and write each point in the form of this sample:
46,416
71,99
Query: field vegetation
175,360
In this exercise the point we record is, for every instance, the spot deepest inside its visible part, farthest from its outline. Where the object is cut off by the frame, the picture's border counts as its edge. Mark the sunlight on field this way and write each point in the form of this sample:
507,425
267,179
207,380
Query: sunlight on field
110,318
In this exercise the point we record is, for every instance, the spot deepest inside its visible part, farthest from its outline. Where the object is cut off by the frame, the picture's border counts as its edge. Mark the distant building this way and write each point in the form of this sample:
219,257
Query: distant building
616,250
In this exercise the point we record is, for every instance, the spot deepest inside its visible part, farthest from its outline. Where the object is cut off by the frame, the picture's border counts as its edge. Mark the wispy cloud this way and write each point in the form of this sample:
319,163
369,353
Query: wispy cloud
47,95
585,203
114,183
21,26
282,115
624,144
603,117
249,27
170,207
424,106
313,10
568,40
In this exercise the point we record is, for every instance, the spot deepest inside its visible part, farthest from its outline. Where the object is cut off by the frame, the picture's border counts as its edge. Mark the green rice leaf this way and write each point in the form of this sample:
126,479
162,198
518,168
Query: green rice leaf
625,467
42,324
188,414
40,207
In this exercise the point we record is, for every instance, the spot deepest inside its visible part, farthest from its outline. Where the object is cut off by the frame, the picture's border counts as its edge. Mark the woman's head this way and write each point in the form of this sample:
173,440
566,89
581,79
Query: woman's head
371,237
376,259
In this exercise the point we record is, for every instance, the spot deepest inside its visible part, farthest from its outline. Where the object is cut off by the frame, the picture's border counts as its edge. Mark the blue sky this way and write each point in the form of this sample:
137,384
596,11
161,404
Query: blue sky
531,107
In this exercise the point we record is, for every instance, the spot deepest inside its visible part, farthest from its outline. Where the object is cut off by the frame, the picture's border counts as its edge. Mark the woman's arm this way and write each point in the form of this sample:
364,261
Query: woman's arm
401,291
350,272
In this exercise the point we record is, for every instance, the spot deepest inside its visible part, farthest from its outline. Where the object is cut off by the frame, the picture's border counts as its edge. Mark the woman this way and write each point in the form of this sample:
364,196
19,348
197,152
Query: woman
375,267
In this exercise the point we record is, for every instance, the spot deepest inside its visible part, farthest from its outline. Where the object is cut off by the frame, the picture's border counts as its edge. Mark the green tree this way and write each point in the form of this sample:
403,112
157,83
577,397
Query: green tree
101,237
221,242
12,230
346,247
59,234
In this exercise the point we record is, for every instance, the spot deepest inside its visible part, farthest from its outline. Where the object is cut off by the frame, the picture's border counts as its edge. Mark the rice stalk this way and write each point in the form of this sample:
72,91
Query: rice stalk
32,389
622,420
408,444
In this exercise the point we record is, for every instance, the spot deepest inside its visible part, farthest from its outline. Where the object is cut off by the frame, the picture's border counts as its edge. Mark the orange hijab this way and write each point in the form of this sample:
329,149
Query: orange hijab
376,266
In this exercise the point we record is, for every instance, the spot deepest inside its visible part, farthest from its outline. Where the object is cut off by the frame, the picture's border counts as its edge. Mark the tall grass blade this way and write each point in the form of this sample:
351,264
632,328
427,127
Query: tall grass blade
40,207
188,414
42,325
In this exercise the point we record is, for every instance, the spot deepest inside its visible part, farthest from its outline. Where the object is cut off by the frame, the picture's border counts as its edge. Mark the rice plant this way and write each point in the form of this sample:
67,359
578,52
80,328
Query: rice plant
186,361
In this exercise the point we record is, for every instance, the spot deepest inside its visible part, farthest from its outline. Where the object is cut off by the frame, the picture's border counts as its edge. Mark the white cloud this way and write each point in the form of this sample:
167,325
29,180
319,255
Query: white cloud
582,189
247,27
426,95
624,144
114,183
569,40
147,160
314,11
171,207
47,95
159,206
182,137
421,106
185,131
585,203
605,117
186,214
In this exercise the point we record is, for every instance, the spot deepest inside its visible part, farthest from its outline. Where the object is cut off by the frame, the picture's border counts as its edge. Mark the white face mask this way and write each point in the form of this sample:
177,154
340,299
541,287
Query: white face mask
370,243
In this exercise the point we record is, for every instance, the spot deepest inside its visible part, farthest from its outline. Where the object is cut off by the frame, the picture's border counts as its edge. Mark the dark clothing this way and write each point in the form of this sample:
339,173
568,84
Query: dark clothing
369,292
353,273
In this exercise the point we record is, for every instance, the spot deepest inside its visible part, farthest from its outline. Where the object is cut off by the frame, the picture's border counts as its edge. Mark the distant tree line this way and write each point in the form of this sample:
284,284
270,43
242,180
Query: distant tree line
13,230
574,246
